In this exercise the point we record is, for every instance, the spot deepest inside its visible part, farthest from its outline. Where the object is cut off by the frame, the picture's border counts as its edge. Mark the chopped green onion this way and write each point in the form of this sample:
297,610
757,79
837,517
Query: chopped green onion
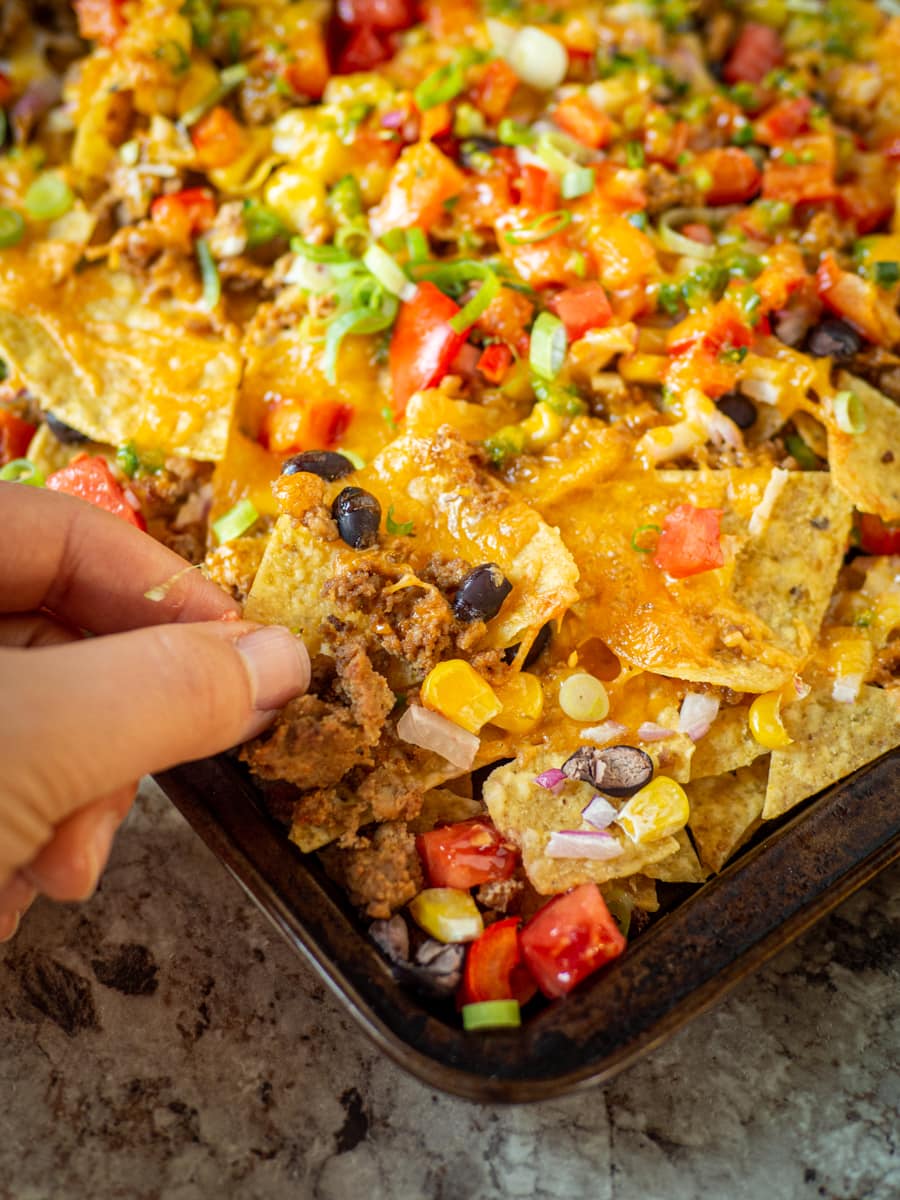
703,180
322,254
260,224
669,296
229,79
678,243
200,15
807,460
545,226
345,200
548,346
564,401
552,157
849,413
742,135
886,273
12,228
638,220
505,443
579,181
128,460
355,238
636,538
388,272
416,245
634,155
235,522
394,240
750,303
469,313
209,275
358,461
491,1014
22,470
400,528
356,320
174,55
48,197
512,133
440,86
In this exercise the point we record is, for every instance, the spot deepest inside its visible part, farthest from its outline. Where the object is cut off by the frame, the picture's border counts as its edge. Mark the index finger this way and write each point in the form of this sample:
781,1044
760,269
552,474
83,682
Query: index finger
93,569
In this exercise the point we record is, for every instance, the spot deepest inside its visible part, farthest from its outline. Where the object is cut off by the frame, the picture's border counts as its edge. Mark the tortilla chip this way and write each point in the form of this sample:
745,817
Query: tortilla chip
427,411
638,889
726,810
727,746
681,867
865,466
831,740
527,814
589,452
746,625
440,804
124,370
49,454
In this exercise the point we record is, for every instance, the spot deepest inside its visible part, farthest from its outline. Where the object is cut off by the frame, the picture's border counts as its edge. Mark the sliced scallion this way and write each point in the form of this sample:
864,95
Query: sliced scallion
639,536
545,226
261,224
469,313
849,412
416,245
491,1014
48,197
364,319
322,254
388,272
548,346
209,276
236,521
22,470
358,461
886,274
12,228
440,86
229,79
579,181
512,133
399,528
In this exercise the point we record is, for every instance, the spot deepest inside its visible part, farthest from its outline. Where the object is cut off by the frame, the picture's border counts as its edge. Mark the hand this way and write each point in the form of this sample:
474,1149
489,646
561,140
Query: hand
83,718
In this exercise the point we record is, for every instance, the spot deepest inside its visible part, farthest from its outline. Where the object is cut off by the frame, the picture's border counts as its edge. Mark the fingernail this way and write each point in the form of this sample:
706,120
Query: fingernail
9,924
278,666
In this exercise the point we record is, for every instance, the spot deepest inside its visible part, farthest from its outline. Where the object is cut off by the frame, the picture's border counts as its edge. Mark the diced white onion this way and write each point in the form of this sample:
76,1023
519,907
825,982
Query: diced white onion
760,515
599,813
429,730
537,58
501,34
846,688
651,732
763,390
581,843
698,711
605,732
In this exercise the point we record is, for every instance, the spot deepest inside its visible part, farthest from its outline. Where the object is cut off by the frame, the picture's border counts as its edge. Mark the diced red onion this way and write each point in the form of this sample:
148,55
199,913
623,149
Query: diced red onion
651,732
846,688
582,843
422,727
393,119
37,99
607,731
552,780
791,324
599,813
698,711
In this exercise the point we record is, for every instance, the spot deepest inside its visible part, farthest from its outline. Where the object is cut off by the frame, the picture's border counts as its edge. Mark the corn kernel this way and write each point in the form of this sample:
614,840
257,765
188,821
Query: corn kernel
522,698
298,198
849,653
643,368
583,698
886,614
447,914
542,427
765,722
457,692
658,810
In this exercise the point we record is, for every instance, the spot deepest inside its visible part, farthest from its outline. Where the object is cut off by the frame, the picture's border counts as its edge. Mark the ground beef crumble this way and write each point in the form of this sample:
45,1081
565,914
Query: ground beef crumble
381,872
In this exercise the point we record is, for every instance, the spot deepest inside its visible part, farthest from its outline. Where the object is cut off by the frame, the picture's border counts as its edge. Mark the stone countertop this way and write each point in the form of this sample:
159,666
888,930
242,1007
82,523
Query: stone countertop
162,1041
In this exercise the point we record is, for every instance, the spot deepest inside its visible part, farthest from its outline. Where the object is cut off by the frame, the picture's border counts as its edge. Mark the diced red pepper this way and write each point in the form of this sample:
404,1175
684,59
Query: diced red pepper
466,854
6,89
735,176
757,51
570,938
495,361
364,49
538,189
783,121
578,117
690,542
581,307
423,345
184,214
15,436
100,20
798,183
864,204
293,425
90,478
218,138
377,14
875,537
494,968
494,90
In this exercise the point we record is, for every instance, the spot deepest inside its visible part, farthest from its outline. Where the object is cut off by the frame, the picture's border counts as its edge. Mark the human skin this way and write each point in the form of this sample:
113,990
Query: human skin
100,685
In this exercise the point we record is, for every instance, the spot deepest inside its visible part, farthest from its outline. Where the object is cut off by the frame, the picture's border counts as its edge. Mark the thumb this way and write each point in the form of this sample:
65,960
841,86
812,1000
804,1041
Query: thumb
80,721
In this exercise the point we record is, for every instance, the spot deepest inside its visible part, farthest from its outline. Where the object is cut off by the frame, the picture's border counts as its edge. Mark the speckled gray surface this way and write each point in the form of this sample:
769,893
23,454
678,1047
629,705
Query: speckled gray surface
161,1041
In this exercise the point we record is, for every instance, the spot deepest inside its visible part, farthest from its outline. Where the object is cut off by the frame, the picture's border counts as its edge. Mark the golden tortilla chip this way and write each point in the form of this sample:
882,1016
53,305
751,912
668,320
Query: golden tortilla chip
727,746
866,466
117,369
440,804
527,814
726,811
49,454
831,739
681,867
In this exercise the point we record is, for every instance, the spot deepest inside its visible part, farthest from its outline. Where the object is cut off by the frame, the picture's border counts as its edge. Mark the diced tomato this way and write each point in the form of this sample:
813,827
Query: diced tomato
423,345
495,361
690,542
619,189
377,14
422,180
90,479
494,90
757,51
218,138
507,317
100,20
578,117
466,854
783,121
864,204
364,49
545,263
184,214
800,183
698,232
718,328
580,308
538,189
784,274
875,537
6,89
850,297
570,938
494,968
735,176
15,436
294,425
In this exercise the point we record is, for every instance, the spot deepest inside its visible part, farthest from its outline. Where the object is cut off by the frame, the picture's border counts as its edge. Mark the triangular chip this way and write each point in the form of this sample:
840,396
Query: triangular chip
866,466
726,810
681,867
830,739
727,746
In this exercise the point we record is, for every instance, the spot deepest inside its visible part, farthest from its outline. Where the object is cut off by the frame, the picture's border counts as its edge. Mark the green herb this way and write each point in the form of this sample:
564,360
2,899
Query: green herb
128,460
200,15
733,354
505,443
637,538
744,95
345,200
669,296
742,135
400,528
563,400
886,274
512,133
